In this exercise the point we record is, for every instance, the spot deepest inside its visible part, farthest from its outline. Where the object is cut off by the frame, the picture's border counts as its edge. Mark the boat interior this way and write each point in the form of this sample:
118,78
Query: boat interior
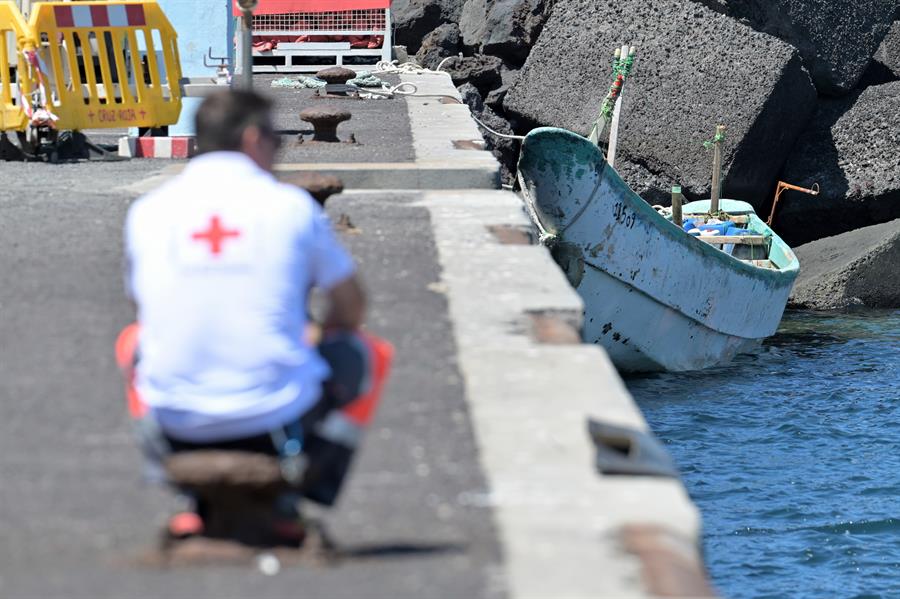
737,232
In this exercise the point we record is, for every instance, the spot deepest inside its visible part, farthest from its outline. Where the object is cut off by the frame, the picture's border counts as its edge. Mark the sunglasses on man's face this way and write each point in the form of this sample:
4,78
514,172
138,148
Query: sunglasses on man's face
272,135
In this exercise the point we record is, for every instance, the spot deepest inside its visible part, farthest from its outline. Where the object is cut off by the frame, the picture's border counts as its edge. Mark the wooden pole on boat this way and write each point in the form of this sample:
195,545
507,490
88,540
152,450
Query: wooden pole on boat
716,191
677,217
617,111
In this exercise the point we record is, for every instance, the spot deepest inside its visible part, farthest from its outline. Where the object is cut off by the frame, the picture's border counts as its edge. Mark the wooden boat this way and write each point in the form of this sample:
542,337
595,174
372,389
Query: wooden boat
656,297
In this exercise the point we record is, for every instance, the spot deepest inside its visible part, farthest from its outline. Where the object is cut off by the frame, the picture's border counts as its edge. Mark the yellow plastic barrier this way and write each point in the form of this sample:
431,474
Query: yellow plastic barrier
101,65
12,29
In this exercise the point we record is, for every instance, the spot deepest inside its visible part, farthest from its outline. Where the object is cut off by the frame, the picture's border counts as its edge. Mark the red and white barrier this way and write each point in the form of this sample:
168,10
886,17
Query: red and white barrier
158,147
127,15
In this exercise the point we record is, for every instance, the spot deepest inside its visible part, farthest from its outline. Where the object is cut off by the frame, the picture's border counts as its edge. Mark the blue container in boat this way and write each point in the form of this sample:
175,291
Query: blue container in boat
721,227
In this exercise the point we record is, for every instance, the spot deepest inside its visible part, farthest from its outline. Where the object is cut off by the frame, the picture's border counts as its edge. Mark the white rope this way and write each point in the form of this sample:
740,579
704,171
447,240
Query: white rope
394,67
497,133
443,62
412,68
545,237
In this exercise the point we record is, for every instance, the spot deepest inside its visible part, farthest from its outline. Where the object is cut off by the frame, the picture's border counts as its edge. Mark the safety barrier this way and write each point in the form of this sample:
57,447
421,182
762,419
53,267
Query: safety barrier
99,64
12,28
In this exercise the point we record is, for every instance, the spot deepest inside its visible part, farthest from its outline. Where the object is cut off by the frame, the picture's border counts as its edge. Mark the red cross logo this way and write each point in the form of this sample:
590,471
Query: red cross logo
215,235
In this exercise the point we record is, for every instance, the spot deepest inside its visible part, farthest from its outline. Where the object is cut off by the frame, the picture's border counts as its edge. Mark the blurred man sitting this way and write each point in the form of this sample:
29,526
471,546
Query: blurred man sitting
221,262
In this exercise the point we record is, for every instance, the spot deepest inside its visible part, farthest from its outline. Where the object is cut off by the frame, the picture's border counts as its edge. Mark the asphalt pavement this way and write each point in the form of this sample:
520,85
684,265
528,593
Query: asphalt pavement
380,128
75,517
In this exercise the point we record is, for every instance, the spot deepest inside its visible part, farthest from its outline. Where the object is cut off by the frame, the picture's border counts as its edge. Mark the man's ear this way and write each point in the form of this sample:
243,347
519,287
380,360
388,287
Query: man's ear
251,137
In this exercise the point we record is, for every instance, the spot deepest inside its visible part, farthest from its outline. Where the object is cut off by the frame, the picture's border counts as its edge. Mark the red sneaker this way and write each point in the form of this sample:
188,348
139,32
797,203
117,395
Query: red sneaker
185,524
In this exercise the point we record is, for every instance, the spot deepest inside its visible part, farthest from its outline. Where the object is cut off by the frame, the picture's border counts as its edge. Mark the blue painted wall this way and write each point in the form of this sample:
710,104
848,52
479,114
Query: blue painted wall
201,25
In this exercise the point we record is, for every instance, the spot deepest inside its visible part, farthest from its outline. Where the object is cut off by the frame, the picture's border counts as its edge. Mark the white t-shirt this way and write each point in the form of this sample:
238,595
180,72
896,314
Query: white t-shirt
221,261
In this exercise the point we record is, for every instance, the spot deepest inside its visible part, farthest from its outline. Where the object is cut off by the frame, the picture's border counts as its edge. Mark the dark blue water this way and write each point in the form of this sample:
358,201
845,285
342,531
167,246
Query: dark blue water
793,457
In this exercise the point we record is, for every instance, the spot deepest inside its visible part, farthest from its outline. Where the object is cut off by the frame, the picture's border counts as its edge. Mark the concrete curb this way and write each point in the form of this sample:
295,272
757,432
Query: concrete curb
561,524
431,174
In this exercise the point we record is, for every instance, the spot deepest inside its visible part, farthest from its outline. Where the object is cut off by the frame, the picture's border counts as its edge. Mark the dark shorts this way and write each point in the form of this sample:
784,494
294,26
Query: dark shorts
328,438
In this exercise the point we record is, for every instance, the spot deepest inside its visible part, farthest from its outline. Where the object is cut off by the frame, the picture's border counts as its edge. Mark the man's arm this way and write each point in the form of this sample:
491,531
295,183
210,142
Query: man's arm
346,305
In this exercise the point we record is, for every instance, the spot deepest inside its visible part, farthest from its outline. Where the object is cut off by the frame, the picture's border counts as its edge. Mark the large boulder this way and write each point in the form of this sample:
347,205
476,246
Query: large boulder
836,38
506,28
414,19
857,268
885,65
482,71
441,43
494,99
695,68
852,150
888,53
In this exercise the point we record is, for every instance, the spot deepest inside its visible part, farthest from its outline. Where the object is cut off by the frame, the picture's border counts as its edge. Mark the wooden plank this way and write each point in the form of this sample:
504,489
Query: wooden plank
614,127
761,264
676,206
716,191
739,219
736,239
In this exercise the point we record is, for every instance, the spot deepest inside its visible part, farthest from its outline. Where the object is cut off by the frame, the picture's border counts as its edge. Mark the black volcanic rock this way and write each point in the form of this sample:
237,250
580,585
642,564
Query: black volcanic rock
480,70
441,43
885,65
505,150
695,68
852,150
836,38
855,269
505,28
414,19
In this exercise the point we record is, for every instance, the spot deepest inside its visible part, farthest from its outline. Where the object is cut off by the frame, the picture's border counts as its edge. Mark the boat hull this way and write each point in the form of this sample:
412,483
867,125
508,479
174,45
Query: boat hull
655,297
643,335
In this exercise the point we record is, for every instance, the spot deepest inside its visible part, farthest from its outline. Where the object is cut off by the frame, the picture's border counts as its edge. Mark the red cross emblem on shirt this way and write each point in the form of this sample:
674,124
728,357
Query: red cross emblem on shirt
215,235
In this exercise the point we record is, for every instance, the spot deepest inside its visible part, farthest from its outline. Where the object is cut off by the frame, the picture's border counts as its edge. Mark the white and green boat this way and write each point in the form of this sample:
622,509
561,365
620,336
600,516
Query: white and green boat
656,296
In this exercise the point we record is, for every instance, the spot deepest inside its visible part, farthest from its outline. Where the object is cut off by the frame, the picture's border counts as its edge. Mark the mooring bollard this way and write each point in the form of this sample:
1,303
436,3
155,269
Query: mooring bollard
336,79
325,121
238,489
319,186
338,75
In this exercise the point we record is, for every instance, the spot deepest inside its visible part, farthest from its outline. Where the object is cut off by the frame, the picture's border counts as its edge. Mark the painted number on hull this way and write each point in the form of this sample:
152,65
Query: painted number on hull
623,215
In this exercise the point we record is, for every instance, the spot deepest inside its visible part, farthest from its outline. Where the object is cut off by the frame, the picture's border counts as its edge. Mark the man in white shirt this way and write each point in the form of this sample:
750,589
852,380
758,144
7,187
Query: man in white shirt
221,261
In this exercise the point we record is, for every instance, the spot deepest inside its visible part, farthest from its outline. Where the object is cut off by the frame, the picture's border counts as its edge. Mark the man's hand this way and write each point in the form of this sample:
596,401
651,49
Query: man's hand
347,306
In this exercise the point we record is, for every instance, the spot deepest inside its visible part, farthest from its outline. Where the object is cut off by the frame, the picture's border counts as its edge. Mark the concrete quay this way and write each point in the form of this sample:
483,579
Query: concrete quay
477,478
398,149
529,399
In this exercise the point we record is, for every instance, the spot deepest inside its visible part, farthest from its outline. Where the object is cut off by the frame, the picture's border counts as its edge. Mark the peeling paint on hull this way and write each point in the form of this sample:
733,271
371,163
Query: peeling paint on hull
643,335
655,297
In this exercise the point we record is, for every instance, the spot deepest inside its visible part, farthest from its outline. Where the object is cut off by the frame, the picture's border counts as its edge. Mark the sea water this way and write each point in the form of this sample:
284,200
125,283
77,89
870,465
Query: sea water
792,455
